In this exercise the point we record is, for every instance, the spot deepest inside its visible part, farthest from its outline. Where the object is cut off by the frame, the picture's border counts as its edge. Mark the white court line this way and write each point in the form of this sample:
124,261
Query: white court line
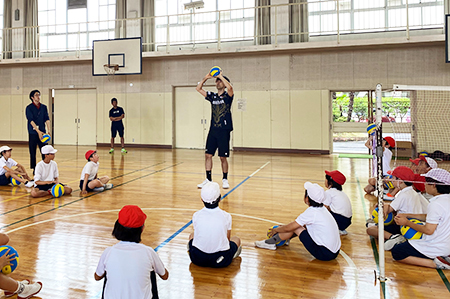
259,169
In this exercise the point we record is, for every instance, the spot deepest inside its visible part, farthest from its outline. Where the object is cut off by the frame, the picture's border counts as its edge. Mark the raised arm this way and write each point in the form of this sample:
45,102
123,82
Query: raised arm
199,87
227,84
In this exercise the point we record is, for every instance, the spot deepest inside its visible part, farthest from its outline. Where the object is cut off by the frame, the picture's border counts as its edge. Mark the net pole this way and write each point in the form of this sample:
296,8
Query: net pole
379,152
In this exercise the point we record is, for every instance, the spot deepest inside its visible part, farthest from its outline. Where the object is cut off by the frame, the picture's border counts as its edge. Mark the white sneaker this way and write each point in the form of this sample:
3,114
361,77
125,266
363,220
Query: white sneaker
393,240
99,189
263,244
29,184
10,294
108,186
203,184
225,184
343,232
442,263
238,252
29,290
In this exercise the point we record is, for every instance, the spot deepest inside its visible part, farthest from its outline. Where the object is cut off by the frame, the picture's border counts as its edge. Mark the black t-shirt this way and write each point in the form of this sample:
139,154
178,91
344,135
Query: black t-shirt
116,112
220,110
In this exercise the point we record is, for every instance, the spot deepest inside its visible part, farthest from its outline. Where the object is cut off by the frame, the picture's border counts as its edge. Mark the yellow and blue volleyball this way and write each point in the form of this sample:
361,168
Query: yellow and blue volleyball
46,138
14,263
388,184
14,182
389,219
215,70
282,242
371,128
410,233
425,154
58,190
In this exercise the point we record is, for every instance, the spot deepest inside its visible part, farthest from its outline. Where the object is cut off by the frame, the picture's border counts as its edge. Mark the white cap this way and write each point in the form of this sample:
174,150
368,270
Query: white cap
210,192
431,162
48,149
438,174
315,192
4,148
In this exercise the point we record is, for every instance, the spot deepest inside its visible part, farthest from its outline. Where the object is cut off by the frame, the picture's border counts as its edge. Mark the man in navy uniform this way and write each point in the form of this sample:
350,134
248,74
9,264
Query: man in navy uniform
116,114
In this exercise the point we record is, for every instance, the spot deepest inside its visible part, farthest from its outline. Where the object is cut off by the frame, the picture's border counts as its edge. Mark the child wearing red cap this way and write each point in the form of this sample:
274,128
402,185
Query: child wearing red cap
407,200
129,267
387,143
336,201
88,180
211,243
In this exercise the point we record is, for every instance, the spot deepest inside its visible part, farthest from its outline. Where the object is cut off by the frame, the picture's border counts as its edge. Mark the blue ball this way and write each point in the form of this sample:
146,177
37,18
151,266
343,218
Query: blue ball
371,128
282,242
425,154
46,138
58,190
14,182
215,70
14,263
387,221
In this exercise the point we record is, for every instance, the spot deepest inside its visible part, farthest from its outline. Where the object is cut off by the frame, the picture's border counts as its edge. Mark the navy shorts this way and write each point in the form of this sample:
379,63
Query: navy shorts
218,139
318,251
45,187
342,221
392,228
404,250
116,128
214,260
4,180
87,185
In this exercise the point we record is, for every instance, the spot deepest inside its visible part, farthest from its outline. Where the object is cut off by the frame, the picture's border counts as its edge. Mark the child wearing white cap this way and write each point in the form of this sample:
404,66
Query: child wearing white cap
46,174
316,228
211,243
433,249
6,169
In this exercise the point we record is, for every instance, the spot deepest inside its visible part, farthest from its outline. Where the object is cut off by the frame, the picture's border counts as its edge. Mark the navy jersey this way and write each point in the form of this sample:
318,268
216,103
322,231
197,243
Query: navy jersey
220,110
116,112
39,116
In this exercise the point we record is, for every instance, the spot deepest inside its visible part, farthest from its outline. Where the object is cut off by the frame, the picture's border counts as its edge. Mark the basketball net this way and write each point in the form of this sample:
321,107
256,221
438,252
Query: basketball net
111,70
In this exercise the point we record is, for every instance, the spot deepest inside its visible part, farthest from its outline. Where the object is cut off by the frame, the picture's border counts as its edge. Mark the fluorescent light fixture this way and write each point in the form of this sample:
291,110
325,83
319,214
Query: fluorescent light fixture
194,5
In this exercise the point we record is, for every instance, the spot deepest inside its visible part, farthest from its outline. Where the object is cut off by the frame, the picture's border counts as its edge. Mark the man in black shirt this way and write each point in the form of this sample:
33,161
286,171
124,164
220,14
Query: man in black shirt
221,125
116,114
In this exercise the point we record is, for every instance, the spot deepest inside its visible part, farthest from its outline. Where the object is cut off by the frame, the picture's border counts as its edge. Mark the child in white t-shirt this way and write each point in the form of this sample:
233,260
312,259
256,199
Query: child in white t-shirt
129,267
88,180
7,171
336,201
387,144
211,243
433,249
316,228
46,174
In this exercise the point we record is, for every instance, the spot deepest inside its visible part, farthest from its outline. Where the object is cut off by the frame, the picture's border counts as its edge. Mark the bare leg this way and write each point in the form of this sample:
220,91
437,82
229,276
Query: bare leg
122,141
8,284
412,260
104,179
112,142
236,240
95,184
38,193
191,236
4,239
224,162
67,190
15,176
208,162
373,231
23,172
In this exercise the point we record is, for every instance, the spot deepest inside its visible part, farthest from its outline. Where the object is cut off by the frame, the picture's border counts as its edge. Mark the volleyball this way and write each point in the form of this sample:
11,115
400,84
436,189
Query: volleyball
14,263
282,242
389,219
215,70
58,190
409,233
46,138
14,182
371,128
388,184
425,154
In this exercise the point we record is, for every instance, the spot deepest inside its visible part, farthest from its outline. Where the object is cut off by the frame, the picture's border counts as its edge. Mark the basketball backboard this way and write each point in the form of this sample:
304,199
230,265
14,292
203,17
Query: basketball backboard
125,52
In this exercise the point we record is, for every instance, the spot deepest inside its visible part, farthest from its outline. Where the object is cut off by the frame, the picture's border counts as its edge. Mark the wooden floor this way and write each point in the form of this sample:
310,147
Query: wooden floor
60,240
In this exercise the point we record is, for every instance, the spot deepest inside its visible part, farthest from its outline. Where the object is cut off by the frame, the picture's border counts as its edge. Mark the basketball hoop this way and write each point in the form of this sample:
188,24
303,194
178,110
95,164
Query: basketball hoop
110,70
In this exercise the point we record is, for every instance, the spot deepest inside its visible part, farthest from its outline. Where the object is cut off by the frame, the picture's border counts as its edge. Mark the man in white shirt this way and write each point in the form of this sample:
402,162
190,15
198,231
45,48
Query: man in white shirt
46,174
211,243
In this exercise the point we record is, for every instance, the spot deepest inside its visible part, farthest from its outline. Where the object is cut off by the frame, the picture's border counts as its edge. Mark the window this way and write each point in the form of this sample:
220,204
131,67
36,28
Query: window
63,29
202,25
1,25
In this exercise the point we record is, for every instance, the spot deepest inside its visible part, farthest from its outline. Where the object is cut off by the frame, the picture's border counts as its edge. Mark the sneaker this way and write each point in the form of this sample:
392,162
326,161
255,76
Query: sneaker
99,189
442,263
238,252
123,151
343,232
203,184
29,290
111,151
29,184
108,186
263,244
393,240
10,294
225,184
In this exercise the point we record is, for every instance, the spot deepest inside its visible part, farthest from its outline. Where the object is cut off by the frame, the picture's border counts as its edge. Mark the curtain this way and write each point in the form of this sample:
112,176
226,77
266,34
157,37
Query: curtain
121,13
262,22
7,34
148,26
31,42
298,21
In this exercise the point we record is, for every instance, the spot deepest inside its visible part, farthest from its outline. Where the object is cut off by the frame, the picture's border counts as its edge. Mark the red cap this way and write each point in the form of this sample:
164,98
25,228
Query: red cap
337,176
390,140
415,161
132,216
419,186
89,154
404,173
